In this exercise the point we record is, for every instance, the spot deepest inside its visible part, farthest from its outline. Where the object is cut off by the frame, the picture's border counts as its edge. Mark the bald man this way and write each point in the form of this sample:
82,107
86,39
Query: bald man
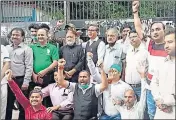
131,108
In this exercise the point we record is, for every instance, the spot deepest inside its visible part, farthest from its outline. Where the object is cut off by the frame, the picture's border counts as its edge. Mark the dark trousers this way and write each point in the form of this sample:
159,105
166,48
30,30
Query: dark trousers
47,79
11,99
62,115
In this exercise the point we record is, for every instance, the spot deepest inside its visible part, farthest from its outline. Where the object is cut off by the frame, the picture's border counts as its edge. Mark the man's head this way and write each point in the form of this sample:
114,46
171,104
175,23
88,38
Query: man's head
84,77
134,39
93,31
112,35
114,72
45,26
125,31
130,98
70,26
36,97
157,32
170,41
17,35
70,37
33,29
42,35
56,75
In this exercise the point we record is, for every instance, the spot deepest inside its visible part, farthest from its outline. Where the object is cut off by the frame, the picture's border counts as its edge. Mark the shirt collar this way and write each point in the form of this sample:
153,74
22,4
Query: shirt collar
168,59
42,108
118,82
39,45
94,40
20,45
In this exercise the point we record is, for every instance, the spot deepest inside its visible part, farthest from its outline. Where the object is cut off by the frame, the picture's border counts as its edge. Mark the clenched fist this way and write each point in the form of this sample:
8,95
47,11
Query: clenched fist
8,74
61,62
135,6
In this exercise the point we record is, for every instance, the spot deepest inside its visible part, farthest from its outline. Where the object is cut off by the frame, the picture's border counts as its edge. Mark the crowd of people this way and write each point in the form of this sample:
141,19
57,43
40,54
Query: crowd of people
128,78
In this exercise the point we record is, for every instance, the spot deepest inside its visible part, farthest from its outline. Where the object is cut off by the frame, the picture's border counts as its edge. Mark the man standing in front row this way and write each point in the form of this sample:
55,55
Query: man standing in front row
21,57
163,81
85,93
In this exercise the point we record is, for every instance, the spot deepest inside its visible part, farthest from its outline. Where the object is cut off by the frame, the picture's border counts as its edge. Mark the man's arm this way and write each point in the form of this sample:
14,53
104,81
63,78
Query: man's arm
46,91
28,66
93,70
5,67
24,102
80,63
61,81
101,51
137,21
99,88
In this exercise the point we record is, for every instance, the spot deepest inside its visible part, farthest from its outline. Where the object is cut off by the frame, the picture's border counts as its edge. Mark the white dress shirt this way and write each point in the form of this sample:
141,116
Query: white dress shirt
113,55
125,44
163,88
114,91
133,58
137,111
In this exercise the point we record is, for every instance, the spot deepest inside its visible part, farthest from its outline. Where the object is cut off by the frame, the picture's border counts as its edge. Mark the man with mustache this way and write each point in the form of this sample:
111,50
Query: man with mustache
85,93
45,60
133,109
163,81
73,55
33,107
116,89
21,65
155,46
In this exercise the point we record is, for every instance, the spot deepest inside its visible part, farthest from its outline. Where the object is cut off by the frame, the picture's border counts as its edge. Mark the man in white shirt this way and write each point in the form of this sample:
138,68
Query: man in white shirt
135,55
131,108
116,88
163,81
94,45
5,65
114,52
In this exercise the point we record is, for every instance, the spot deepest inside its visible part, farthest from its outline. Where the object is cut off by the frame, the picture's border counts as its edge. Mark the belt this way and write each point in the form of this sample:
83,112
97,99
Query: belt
18,77
135,85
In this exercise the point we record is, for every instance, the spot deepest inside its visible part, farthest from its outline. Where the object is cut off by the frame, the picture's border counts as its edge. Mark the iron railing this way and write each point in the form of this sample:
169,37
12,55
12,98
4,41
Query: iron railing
42,10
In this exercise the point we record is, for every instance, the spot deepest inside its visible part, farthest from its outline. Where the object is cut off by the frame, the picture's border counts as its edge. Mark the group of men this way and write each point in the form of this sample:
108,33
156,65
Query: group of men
130,78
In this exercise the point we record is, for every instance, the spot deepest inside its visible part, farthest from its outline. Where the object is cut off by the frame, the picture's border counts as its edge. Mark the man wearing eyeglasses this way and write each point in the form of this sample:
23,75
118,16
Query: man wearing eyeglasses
34,110
94,45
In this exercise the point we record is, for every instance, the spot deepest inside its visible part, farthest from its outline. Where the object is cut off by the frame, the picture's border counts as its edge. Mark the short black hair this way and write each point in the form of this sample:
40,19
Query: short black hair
88,73
125,26
169,31
133,31
34,26
43,25
18,29
158,22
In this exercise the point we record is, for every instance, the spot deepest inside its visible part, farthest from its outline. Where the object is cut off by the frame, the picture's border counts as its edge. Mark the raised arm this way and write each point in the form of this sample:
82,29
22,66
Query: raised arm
137,21
93,70
16,90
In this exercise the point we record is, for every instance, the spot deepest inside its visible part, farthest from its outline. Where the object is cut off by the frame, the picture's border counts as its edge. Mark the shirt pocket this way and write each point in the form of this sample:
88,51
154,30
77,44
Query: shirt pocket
18,57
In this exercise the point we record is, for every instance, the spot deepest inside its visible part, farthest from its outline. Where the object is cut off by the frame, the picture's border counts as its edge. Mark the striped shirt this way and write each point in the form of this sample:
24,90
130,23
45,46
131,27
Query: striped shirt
30,113
156,56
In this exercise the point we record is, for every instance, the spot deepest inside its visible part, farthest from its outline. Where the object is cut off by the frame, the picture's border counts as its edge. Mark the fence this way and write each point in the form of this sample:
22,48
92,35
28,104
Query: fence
42,10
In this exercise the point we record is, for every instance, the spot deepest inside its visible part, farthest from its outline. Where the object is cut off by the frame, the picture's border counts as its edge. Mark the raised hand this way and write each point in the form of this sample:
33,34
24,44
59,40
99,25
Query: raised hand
8,74
141,68
135,6
61,62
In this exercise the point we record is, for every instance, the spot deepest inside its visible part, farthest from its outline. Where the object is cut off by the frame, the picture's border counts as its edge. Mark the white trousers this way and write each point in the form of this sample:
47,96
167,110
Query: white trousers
3,99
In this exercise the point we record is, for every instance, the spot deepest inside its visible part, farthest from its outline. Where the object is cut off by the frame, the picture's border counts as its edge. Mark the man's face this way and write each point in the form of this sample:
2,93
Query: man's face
129,98
134,40
83,78
111,37
92,32
42,35
157,32
16,37
170,44
70,38
125,32
113,74
33,32
35,99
